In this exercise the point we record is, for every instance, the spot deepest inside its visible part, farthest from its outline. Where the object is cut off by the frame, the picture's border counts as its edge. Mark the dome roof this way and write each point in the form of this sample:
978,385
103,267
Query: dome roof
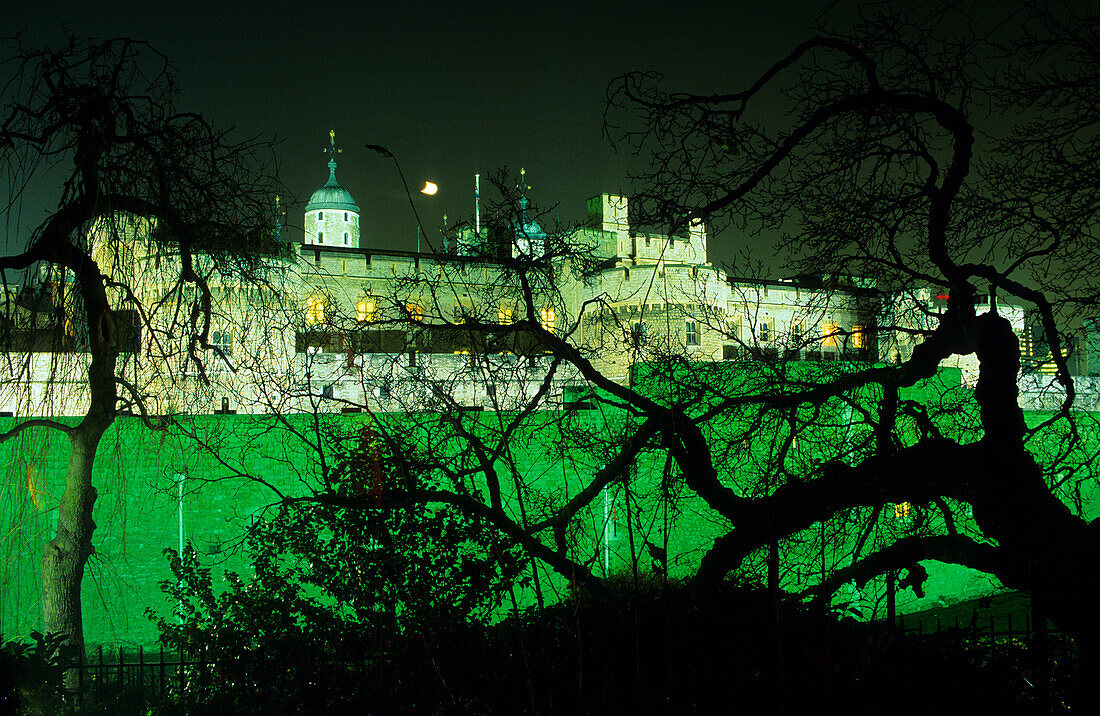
332,195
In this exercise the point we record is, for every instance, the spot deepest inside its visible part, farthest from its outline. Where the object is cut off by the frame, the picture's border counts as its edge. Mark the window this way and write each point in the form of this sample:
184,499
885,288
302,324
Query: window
859,338
796,334
647,242
733,327
315,310
415,311
638,333
412,359
345,217
320,215
547,317
691,329
320,237
223,341
506,315
326,392
345,238
626,274
830,334
903,510
764,331
364,310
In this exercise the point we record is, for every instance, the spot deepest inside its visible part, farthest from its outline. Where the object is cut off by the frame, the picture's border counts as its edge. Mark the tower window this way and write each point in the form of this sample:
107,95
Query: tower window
320,215
320,237
345,216
345,238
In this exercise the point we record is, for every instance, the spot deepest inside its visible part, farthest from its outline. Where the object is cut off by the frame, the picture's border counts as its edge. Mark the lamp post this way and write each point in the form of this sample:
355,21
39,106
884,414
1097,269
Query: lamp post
387,154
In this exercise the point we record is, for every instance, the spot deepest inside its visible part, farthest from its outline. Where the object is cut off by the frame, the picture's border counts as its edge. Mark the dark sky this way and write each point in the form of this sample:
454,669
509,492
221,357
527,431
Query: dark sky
451,88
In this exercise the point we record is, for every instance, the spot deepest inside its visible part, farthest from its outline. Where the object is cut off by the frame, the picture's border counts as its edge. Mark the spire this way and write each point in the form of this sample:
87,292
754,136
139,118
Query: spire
523,187
279,215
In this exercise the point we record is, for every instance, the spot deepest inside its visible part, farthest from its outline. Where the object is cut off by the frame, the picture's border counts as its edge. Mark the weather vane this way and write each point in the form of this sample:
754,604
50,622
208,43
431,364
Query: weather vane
332,151
522,186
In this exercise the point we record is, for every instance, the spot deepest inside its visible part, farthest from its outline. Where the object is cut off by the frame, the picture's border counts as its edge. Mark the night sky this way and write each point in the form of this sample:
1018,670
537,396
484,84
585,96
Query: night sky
470,87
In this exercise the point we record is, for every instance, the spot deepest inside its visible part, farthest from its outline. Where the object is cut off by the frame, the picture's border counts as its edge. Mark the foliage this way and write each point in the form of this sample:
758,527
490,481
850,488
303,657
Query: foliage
32,673
334,587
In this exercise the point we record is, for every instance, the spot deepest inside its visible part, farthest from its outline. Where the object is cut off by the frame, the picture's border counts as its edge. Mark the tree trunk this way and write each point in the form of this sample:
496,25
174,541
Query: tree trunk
67,553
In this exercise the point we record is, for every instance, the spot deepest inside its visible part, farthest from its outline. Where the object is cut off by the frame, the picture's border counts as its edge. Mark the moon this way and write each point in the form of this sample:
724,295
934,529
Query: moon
429,188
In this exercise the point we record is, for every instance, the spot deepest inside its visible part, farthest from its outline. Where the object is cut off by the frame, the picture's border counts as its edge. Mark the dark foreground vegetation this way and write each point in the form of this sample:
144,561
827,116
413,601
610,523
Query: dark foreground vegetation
651,651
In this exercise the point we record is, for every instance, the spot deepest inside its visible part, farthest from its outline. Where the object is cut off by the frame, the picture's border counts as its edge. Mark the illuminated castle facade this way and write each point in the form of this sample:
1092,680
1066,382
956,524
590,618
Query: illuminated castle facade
336,324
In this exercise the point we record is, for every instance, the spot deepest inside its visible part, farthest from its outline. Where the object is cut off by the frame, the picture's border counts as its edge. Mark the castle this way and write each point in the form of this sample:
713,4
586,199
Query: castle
332,324
335,323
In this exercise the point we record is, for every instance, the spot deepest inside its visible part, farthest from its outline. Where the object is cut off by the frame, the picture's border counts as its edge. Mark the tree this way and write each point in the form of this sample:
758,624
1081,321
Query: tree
890,165
135,181
889,169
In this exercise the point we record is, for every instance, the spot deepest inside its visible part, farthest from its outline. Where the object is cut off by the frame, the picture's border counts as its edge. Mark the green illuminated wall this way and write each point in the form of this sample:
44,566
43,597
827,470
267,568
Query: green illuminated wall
138,506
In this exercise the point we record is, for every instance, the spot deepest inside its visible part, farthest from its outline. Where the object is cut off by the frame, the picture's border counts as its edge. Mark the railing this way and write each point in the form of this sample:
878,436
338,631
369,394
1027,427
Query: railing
990,630
138,677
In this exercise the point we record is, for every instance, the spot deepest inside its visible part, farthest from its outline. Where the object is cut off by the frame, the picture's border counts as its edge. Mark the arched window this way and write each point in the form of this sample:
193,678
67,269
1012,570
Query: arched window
320,215
345,216
345,238
547,317
416,313
315,310
364,310
320,237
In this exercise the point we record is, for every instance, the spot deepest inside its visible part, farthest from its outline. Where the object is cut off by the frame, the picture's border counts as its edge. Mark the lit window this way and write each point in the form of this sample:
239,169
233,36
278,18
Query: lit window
859,339
902,510
547,317
691,329
364,311
830,334
415,311
506,315
315,310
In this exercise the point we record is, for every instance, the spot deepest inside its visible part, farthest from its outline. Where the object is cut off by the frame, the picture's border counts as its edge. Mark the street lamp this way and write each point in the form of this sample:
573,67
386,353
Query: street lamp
429,189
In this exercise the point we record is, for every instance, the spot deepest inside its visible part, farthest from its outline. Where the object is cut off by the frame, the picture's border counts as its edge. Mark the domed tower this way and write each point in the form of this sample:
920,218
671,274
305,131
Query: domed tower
332,217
